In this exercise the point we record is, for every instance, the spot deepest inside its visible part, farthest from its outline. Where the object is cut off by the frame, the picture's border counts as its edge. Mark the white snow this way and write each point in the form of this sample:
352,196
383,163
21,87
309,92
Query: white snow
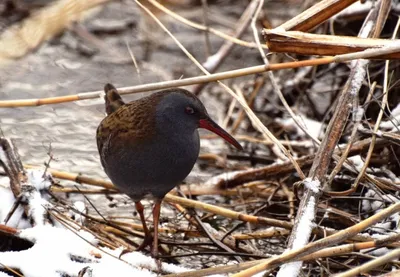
6,203
357,161
38,178
290,269
361,64
390,224
359,75
211,61
394,120
304,229
38,207
305,225
226,176
313,185
82,209
358,113
37,204
53,248
367,29
3,156
396,110
313,127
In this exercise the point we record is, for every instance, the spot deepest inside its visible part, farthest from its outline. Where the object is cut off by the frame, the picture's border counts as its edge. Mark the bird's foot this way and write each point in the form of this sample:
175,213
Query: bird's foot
158,264
125,251
147,241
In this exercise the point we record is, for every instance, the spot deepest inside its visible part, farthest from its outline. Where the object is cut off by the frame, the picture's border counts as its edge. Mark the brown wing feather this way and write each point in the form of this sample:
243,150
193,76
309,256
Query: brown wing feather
130,123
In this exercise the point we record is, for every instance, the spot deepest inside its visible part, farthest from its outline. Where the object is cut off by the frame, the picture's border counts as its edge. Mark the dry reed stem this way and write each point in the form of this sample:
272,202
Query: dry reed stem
300,43
274,232
259,83
193,204
357,271
226,212
7,230
315,15
345,153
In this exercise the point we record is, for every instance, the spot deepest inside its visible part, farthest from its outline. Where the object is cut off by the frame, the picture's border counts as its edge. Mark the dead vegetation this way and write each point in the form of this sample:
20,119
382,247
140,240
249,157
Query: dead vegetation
319,117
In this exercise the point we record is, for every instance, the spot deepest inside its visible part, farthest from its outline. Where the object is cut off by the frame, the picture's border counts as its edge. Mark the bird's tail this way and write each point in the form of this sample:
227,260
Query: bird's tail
112,98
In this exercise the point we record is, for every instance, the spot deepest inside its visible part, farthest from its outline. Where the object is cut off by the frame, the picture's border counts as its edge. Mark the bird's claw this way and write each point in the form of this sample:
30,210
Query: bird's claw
148,240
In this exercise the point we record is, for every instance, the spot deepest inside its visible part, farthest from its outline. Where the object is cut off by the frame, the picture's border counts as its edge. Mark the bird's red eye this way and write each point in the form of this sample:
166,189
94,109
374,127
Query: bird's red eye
189,110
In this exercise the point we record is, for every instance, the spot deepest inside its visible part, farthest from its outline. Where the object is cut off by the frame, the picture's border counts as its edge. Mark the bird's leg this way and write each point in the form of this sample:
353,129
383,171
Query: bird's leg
147,235
156,217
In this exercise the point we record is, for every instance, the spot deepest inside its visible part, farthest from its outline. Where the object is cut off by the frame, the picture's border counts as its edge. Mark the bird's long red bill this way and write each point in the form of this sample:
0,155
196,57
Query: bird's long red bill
210,125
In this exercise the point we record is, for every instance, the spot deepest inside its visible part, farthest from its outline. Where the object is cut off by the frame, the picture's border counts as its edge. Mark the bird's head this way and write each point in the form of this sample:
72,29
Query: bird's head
182,111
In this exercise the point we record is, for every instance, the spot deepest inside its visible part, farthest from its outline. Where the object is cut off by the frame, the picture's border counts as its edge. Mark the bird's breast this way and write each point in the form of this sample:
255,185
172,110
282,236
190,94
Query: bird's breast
153,166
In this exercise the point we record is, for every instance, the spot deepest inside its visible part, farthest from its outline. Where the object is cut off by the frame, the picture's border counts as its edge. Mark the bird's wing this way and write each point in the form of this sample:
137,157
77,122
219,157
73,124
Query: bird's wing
127,125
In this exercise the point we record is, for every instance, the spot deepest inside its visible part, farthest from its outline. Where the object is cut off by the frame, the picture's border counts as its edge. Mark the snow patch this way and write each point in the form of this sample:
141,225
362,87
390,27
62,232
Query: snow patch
313,127
38,207
290,269
211,61
79,216
358,113
38,178
304,229
313,185
6,203
359,75
59,252
3,156
226,176
357,161
305,225
389,225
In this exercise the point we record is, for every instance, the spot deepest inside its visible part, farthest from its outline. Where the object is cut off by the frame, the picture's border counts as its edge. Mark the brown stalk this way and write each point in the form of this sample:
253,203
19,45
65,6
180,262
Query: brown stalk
12,165
295,42
357,271
7,230
315,15
259,83
352,136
